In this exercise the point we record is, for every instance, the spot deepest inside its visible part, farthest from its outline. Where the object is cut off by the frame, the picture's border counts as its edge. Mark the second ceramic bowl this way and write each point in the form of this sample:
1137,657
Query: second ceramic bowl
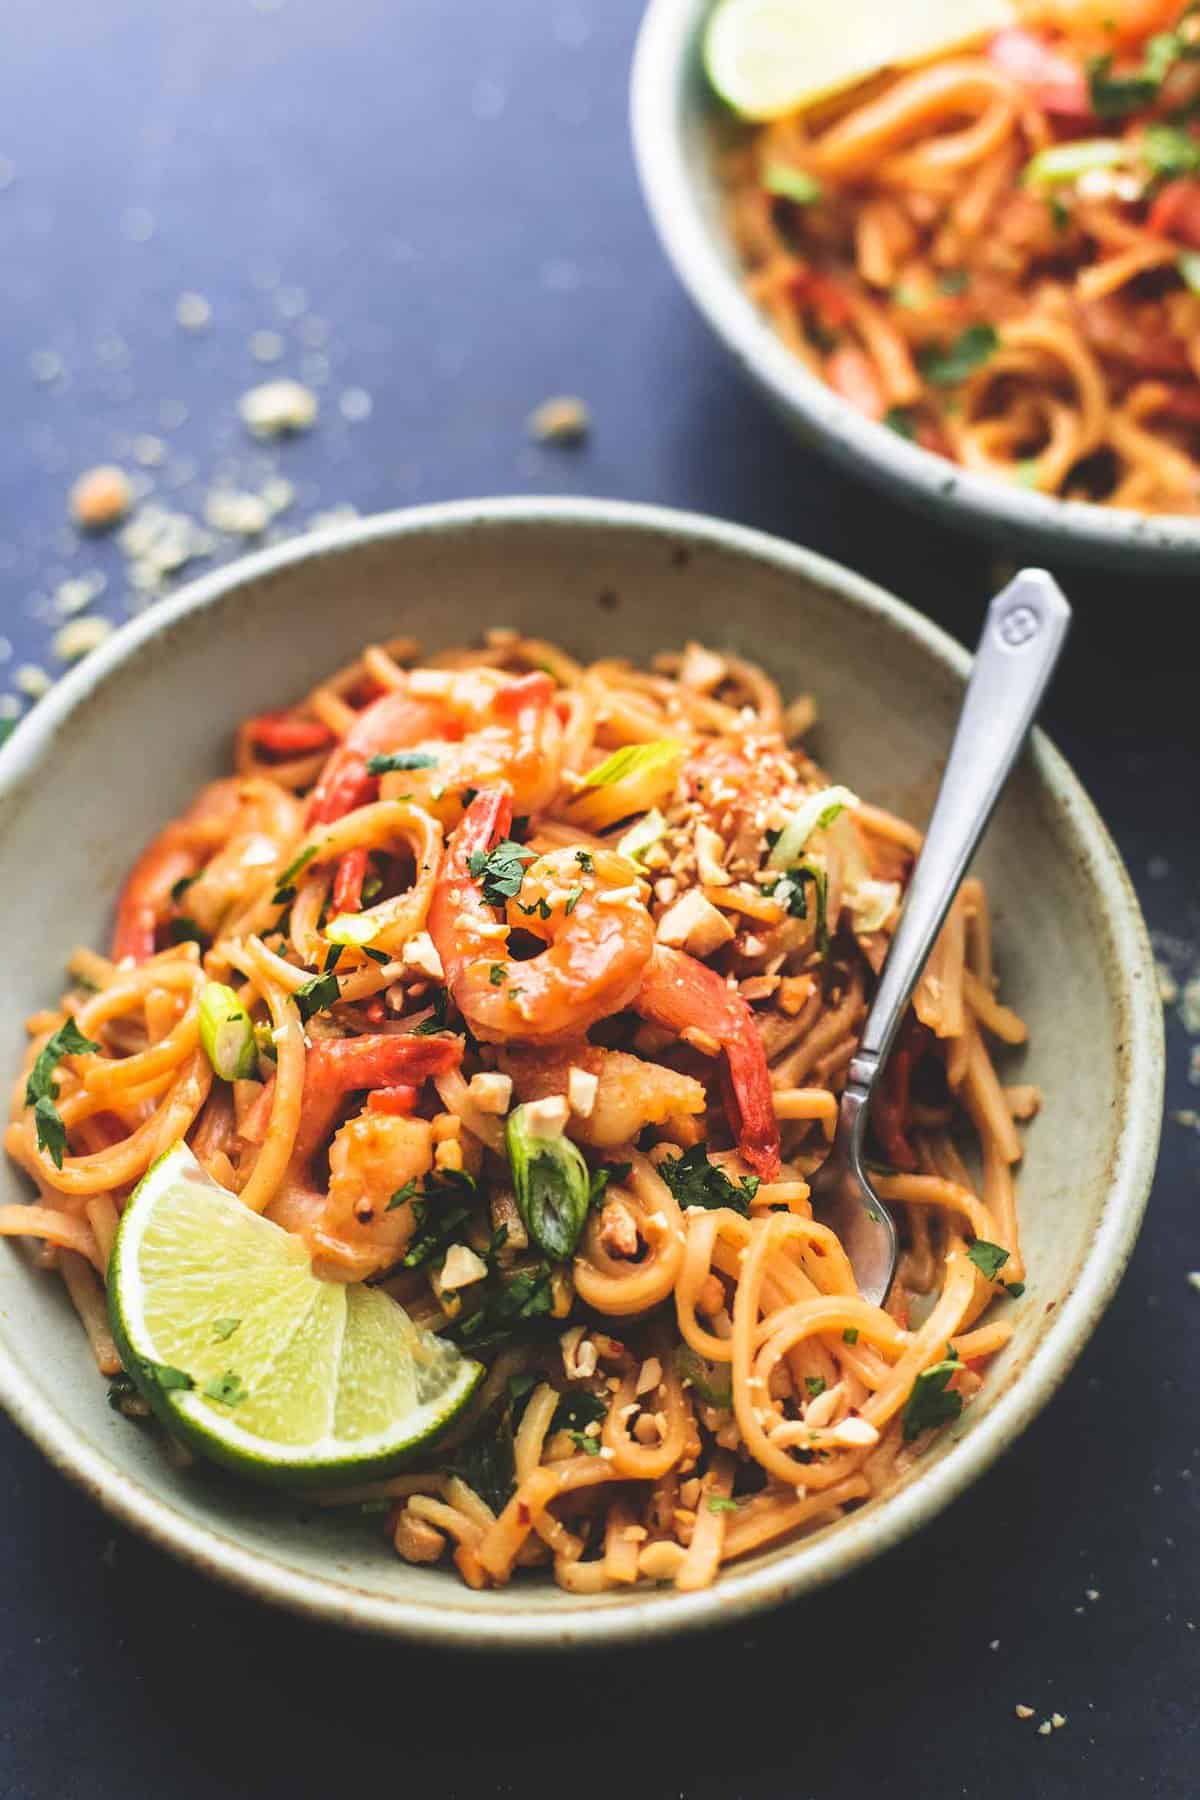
673,116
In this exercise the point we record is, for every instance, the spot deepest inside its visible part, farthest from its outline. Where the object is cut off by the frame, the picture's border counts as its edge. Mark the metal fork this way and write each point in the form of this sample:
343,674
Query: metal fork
1023,635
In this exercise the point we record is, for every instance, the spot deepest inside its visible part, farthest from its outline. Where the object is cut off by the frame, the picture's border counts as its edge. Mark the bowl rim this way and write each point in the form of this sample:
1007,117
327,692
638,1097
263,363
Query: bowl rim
664,58
813,1562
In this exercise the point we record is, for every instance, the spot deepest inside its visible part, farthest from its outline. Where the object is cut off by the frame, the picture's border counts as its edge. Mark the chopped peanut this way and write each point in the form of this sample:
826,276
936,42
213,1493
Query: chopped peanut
416,1540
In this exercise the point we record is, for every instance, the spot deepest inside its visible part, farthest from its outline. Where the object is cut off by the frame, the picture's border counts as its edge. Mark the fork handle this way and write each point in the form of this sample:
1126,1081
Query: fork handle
1023,636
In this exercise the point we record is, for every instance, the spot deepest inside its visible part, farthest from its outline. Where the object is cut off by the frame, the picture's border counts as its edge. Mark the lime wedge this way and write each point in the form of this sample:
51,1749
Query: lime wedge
251,1358
770,57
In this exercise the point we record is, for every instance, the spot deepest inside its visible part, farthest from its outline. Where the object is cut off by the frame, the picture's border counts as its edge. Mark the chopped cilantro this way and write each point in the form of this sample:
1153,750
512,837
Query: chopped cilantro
1015,1288
573,899
224,1328
900,420
850,1335
485,1461
602,1177
989,1259
68,1040
589,1446
438,1021
586,861
496,974
815,1385
500,871
578,1408
506,1306
695,1181
932,1402
945,368
185,931
166,1378
400,759
541,907
715,1390
317,995
717,1503
227,1388
791,892
433,1233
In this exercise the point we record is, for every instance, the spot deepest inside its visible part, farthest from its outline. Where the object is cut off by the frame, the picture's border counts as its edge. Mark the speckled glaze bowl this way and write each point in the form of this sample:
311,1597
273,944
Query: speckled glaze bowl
673,117
123,741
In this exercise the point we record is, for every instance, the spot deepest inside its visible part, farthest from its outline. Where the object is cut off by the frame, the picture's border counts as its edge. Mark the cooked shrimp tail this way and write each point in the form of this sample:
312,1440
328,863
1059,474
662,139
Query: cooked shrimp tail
681,994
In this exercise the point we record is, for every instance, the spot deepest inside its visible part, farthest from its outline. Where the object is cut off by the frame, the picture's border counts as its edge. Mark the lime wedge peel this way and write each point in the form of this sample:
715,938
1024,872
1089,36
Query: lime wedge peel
767,58
252,1359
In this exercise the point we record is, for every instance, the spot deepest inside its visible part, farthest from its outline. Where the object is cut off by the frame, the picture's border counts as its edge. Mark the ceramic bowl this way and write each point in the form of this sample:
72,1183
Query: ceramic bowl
121,743
674,117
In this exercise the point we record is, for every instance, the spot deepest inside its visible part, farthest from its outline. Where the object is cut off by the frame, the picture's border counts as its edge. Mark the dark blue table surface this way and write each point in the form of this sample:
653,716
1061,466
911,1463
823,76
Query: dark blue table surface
432,203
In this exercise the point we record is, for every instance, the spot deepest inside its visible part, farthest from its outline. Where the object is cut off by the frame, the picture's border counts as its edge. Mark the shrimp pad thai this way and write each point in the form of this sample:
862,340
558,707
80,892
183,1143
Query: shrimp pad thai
504,1005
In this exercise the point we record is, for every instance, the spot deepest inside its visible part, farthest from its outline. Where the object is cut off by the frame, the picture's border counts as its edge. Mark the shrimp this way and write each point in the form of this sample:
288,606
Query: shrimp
630,1093
680,994
350,1225
586,906
220,813
475,726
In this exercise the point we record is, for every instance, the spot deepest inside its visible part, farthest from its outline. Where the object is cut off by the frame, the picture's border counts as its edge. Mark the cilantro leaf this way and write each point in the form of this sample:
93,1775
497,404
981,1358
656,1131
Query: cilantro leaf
486,1461
51,1132
434,1232
590,1446
508,1305
968,352
226,1388
317,995
715,1390
1015,1288
500,871
166,1378
931,1402
989,1259
695,1181
438,1022
400,759
603,1177
576,1409
68,1040
496,974
900,420
586,861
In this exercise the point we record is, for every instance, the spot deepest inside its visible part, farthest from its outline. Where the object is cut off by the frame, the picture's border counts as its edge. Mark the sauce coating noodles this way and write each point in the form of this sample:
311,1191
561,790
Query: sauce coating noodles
627,898
997,253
